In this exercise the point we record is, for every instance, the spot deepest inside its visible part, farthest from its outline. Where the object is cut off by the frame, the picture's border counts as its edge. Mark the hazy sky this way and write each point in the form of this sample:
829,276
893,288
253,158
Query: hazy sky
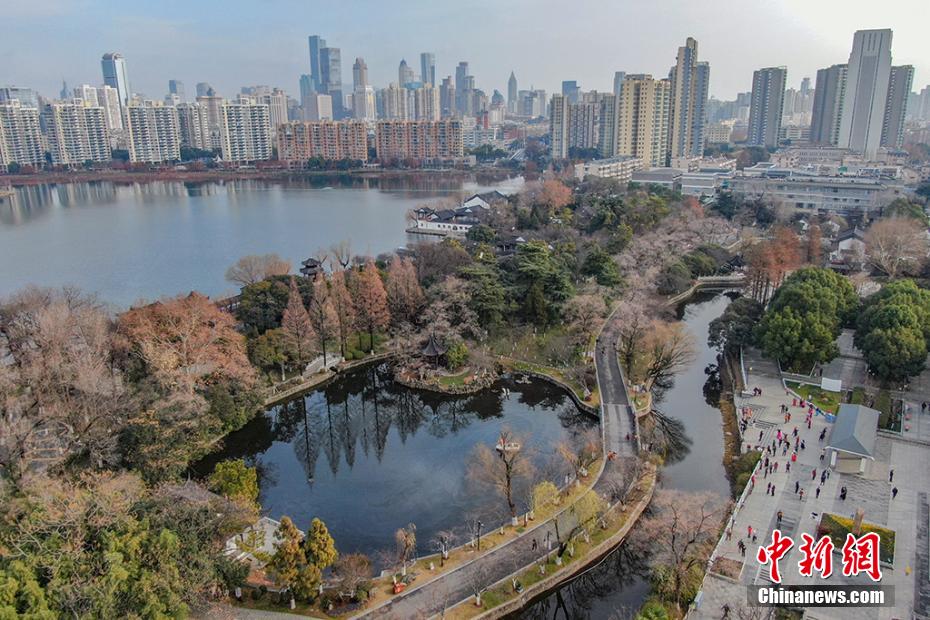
231,43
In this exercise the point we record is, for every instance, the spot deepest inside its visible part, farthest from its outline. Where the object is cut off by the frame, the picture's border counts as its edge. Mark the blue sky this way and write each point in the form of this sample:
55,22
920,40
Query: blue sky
231,43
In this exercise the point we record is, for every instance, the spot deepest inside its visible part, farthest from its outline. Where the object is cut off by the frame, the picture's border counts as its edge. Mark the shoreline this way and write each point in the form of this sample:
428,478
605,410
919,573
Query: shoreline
124,177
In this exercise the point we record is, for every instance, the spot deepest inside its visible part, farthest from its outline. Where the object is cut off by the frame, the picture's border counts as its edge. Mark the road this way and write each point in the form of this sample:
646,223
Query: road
617,420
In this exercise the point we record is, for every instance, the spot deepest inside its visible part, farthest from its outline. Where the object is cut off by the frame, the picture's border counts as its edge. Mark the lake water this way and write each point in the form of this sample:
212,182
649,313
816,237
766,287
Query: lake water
619,585
369,456
145,240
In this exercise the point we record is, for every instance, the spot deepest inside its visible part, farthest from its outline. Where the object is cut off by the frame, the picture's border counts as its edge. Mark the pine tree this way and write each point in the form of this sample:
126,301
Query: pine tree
320,546
289,563
345,309
296,324
323,314
371,301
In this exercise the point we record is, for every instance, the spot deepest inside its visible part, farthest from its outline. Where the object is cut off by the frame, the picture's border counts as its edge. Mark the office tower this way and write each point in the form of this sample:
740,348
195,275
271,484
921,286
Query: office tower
176,87
900,81
607,126
331,78
65,92
363,95
766,106
461,75
805,85
618,81
276,101
923,104
203,89
428,69
426,105
512,94
245,128
213,103
866,91
558,126
405,74
20,134
87,94
76,133
108,99
447,97
306,89
394,103
194,126
25,96
690,80
317,107
643,119
154,135
571,90
583,124
422,140
829,93
316,44
299,142
116,76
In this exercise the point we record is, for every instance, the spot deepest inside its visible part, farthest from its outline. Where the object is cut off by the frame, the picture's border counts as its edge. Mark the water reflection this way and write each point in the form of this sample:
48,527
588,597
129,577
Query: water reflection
368,455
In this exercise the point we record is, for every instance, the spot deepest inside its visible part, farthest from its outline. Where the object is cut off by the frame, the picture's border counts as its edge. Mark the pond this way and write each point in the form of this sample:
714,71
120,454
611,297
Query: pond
619,585
368,456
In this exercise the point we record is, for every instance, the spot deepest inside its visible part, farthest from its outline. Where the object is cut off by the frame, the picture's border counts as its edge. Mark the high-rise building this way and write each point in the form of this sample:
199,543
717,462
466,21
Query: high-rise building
394,103
245,129
153,132
618,81
25,96
405,74
461,77
690,80
316,70
428,69
447,98
108,99
87,94
194,126
571,90
363,95
866,91
76,133
276,101
643,119
116,76
422,140
176,87
299,142
65,92
900,81
20,134
607,126
317,107
203,89
766,106
829,94
512,94
426,105
331,78
559,121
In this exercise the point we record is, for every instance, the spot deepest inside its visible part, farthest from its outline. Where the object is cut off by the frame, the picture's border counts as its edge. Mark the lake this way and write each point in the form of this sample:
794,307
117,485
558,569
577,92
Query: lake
369,456
129,242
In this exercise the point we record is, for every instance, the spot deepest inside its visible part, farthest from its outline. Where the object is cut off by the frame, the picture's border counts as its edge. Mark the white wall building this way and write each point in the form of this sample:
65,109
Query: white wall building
76,133
620,168
867,76
153,132
20,136
245,131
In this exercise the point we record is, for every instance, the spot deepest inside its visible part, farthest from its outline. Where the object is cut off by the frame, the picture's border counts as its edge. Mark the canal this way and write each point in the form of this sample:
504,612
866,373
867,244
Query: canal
617,587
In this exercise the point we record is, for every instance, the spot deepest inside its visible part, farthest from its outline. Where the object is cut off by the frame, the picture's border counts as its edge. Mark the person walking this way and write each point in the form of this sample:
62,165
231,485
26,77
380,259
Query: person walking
813,474
802,495
797,485
891,476
778,517
788,467
773,489
894,492
535,545
843,494
817,493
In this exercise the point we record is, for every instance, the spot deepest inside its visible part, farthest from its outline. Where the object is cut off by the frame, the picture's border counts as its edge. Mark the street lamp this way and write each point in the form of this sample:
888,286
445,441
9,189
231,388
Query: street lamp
479,534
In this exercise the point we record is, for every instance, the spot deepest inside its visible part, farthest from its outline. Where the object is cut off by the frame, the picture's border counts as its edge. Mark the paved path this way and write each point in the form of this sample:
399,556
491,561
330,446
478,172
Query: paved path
617,420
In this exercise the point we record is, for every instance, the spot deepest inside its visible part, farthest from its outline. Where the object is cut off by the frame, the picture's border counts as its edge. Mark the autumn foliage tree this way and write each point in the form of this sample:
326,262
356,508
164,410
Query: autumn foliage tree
404,294
371,307
770,261
344,307
323,314
296,325
255,268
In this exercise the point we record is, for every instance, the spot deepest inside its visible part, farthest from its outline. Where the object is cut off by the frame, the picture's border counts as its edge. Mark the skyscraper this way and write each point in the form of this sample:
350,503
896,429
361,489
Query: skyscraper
558,126
642,119
176,87
154,132
76,133
245,131
428,69
447,98
316,44
618,81
20,136
866,91
203,89
828,105
512,94
571,90
766,106
87,94
331,78
108,99
65,92
116,75
461,76
899,87
689,99
363,95
405,74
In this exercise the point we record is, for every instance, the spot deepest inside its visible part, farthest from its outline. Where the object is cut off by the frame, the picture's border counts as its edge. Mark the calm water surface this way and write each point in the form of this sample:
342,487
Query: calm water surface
369,456
146,240
619,586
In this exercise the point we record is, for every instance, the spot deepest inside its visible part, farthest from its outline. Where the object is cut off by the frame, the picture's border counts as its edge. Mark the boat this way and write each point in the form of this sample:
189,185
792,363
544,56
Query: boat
510,446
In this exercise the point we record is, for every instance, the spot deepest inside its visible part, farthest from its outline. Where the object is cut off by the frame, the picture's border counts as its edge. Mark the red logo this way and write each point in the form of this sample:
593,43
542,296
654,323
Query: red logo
774,552
817,556
861,555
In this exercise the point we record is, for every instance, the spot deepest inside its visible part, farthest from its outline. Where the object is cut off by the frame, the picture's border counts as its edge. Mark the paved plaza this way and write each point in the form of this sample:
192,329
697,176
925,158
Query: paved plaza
907,514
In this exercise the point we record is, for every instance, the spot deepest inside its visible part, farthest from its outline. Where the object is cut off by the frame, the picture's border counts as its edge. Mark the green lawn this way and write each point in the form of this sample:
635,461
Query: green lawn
827,401
837,527
455,380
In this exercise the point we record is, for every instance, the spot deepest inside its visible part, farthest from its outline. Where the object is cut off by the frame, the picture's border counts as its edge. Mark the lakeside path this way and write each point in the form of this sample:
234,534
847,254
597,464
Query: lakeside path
617,421
907,514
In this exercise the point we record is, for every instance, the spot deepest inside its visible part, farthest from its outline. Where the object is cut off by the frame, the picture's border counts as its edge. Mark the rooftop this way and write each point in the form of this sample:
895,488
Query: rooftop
854,431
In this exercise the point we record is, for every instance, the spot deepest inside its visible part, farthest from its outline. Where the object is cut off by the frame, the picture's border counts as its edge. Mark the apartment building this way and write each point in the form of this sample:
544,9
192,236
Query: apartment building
300,141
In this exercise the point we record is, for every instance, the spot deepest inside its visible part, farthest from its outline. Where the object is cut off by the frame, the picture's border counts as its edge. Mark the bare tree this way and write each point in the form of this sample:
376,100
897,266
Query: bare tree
581,454
342,253
405,539
669,347
896,245
681,532
478,584
351,569
502,468
586,510
255,268
442,543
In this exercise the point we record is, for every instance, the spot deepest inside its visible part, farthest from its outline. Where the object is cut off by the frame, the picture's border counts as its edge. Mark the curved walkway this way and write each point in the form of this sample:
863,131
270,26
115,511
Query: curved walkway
444,591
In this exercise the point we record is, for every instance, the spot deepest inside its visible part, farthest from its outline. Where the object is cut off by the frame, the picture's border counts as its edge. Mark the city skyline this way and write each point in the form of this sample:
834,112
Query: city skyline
167,48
